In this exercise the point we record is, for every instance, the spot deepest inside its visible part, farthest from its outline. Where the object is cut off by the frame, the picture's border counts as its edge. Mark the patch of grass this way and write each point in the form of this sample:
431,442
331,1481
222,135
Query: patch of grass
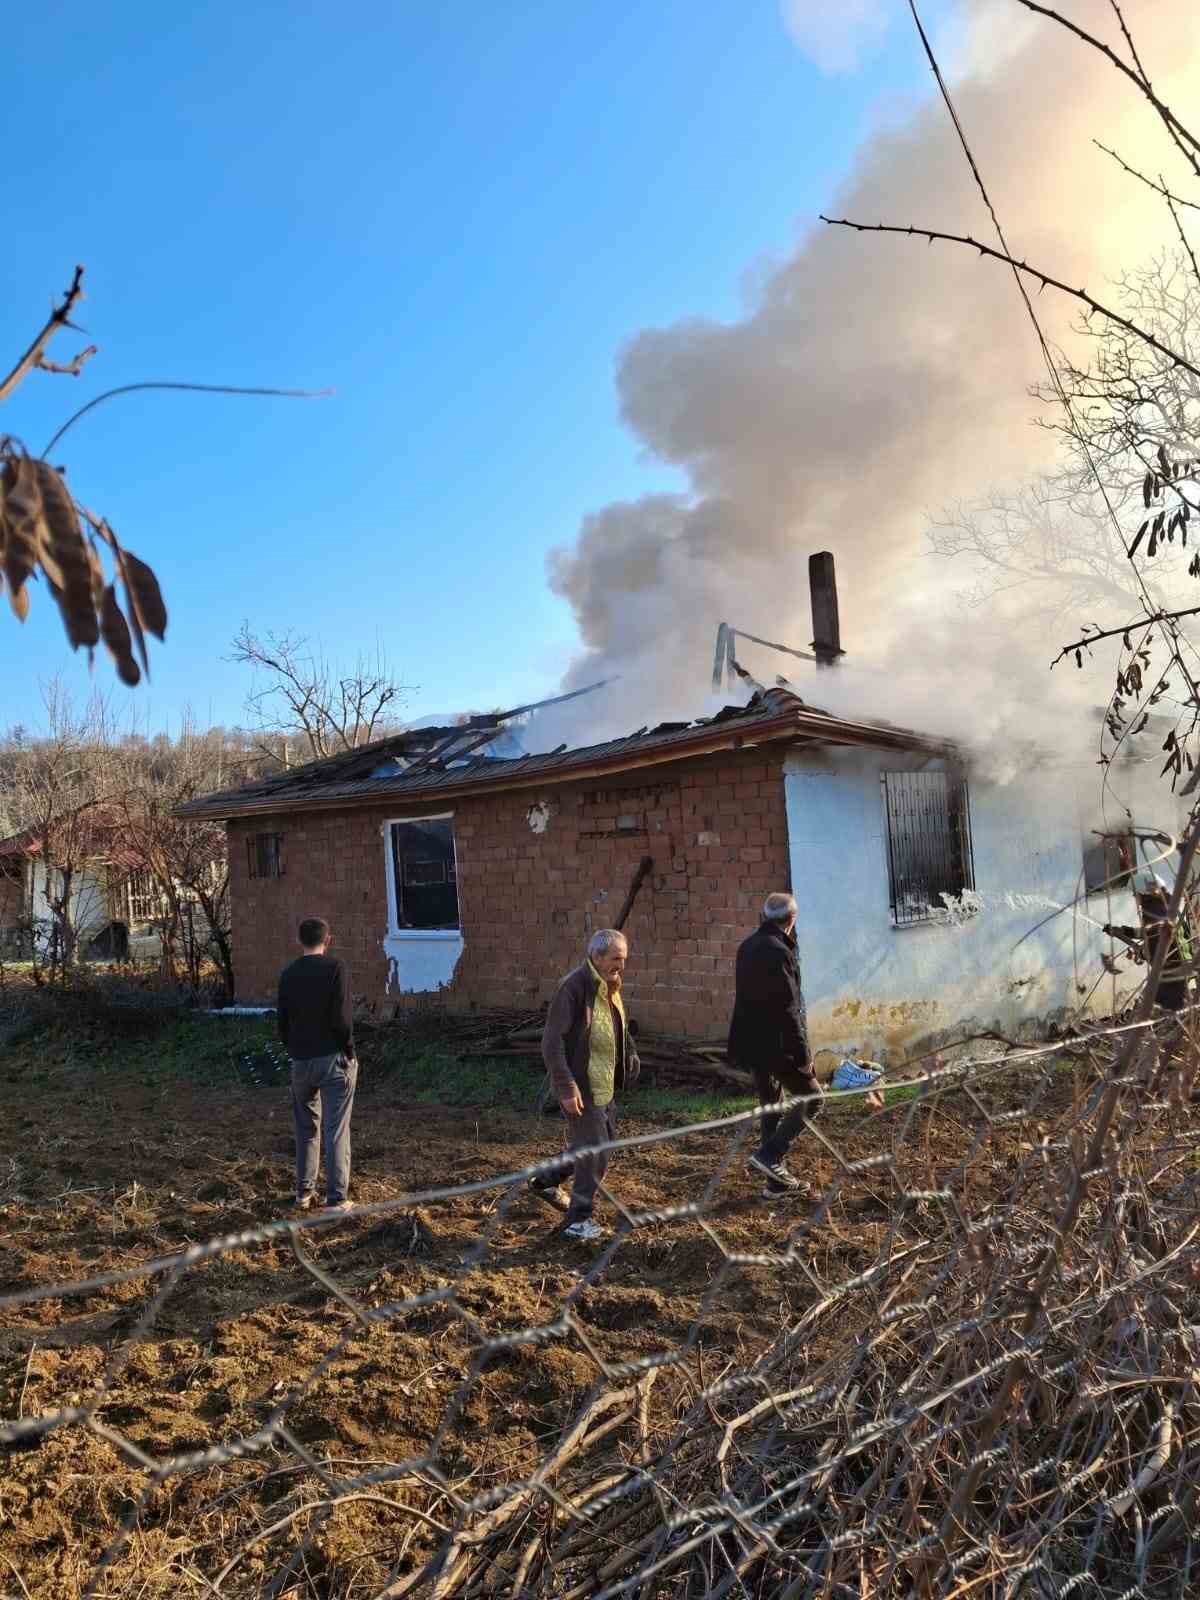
437,1077
200,1049
686,1105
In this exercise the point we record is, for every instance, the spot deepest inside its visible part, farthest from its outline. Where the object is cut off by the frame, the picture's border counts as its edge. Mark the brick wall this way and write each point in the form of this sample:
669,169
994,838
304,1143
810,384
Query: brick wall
716,830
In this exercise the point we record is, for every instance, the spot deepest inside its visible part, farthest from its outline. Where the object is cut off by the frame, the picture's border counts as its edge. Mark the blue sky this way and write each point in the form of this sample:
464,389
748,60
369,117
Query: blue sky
453,212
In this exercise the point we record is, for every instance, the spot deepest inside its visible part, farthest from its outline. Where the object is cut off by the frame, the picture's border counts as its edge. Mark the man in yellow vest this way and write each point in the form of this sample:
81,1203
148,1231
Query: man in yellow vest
590,1056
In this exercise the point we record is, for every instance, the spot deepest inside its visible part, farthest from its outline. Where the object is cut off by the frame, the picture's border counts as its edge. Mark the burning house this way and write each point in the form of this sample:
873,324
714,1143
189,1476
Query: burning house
450,871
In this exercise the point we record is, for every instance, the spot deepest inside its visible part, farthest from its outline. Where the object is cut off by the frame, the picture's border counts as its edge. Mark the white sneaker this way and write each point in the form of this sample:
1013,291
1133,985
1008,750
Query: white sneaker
585,1230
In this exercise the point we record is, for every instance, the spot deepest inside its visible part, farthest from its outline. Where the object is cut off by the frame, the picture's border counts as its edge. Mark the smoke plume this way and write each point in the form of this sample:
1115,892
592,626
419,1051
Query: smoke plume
874,380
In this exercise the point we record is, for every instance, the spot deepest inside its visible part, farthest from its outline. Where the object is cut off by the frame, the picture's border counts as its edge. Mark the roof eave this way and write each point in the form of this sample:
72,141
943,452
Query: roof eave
712,739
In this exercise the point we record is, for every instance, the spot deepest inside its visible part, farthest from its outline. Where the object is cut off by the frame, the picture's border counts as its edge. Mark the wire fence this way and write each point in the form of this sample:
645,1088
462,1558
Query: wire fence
984,1377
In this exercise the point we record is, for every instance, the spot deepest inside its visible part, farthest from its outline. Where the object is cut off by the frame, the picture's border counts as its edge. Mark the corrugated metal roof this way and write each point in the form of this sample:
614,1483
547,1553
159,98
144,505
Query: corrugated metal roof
353,778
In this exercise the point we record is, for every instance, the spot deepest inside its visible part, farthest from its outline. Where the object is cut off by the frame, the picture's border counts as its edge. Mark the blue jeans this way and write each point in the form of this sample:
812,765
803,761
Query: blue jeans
322,1101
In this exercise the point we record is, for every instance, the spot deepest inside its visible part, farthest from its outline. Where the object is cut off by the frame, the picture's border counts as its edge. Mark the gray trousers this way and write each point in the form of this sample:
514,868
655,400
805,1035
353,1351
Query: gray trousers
597,1124
322,1100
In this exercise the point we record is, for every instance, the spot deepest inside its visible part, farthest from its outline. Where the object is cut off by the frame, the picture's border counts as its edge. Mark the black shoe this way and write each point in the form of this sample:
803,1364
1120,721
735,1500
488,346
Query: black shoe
547,1185
782,1191
779,1179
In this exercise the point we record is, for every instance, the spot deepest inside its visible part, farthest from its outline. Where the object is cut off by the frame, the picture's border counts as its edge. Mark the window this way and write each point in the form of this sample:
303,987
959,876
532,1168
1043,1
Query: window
143,898
424,874
1107,862
928,842
264,855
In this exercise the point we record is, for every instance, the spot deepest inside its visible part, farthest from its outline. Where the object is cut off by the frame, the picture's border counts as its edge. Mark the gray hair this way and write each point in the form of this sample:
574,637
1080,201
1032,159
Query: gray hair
603,940
779,907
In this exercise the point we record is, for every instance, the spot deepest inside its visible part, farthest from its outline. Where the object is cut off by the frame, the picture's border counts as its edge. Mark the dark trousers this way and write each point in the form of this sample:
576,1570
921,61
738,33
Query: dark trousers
597,1125
322,1102
778,1129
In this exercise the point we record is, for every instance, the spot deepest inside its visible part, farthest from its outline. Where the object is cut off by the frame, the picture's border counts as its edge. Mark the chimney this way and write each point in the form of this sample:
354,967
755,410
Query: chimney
822,585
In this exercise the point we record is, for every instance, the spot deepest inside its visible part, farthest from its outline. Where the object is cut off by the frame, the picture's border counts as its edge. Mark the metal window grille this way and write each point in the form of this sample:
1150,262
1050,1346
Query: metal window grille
928,842
1107,862
143,897
264,855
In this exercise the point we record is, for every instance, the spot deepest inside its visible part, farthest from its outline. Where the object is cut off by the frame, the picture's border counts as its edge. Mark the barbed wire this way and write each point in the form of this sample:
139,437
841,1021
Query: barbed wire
987,1382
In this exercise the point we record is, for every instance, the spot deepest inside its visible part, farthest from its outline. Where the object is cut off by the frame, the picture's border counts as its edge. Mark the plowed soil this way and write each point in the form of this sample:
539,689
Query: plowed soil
95,1178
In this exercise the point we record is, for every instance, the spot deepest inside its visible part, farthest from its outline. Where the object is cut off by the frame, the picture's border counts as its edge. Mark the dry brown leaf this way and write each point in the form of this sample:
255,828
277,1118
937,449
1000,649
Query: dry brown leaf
139,638
99,581
114,630
145,596
64,558
18,599
22,516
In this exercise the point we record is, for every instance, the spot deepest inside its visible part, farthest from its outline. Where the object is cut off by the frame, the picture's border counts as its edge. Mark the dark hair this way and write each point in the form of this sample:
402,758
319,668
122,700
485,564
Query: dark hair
314,931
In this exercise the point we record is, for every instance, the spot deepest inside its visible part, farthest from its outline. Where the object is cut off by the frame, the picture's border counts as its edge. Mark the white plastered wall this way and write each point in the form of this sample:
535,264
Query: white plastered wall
874,987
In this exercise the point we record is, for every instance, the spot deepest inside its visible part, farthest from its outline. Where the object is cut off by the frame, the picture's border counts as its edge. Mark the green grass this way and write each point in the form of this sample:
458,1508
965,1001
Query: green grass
686,1105
433,1076
81,1043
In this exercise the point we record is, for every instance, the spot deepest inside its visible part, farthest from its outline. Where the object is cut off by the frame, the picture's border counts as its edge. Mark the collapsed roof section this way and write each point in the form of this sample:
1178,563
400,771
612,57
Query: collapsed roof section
442,763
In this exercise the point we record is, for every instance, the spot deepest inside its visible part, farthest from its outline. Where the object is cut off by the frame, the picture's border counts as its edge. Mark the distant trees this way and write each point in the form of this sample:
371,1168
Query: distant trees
99,841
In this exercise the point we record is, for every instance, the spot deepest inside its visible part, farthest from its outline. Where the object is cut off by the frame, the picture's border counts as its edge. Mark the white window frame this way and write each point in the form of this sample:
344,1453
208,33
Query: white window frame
395,931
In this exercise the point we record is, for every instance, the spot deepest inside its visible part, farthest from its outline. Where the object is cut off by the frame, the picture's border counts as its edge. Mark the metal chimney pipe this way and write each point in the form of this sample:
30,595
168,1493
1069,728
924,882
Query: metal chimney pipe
822,586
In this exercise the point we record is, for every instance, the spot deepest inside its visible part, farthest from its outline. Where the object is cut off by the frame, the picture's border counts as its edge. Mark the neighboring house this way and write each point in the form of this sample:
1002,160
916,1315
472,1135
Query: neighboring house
116,906
448,871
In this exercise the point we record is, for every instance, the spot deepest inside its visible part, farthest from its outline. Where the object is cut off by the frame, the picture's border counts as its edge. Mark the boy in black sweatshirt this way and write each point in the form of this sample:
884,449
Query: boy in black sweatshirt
315,1024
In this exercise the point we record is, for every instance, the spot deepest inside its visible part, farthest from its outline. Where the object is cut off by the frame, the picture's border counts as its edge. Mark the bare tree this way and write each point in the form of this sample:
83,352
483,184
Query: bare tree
1129,399
58,790
187,859
298,696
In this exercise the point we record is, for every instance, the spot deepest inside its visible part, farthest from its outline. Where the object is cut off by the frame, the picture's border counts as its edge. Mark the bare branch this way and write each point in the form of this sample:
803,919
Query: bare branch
1042,278
1190,144
1183,238
1113,633
1159,187
60,317
68,369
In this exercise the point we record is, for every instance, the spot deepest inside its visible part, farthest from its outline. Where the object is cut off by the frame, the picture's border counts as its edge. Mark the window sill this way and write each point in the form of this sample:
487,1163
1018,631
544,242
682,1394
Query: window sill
424,933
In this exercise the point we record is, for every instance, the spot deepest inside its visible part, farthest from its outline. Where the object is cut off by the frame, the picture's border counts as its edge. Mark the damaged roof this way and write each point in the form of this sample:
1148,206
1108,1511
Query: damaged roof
444,762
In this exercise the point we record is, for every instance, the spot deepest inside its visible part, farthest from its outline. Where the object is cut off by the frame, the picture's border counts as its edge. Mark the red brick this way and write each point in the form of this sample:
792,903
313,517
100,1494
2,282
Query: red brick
527,899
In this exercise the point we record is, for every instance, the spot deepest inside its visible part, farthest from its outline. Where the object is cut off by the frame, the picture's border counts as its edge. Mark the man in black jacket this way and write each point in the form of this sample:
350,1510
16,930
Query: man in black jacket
315,1023
768,1037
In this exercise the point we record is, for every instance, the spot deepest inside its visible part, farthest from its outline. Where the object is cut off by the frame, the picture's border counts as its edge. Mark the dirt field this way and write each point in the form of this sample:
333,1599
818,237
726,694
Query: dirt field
100,1169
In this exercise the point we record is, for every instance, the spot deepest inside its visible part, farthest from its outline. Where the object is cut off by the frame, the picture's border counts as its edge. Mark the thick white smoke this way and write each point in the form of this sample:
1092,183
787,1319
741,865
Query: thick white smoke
874,380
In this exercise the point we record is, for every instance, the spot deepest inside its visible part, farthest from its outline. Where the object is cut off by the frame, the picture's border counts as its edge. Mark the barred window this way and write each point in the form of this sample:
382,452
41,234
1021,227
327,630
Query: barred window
144,898
1107,862
928,842
264,855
